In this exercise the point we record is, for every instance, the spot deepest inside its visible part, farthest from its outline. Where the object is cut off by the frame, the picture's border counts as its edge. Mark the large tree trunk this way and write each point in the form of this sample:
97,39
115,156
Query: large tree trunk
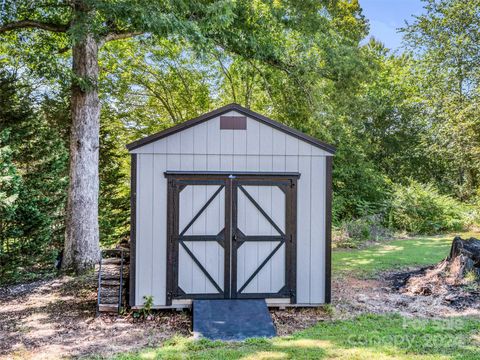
82,248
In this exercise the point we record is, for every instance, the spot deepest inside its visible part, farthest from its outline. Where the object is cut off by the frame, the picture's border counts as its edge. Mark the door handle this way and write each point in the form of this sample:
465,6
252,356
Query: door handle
234,237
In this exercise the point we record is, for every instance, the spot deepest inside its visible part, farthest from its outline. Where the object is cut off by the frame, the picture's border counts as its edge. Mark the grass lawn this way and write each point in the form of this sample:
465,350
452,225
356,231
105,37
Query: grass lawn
396,254
366,337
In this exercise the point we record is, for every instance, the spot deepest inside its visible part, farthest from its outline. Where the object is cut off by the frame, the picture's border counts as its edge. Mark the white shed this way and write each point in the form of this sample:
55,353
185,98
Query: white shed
230,205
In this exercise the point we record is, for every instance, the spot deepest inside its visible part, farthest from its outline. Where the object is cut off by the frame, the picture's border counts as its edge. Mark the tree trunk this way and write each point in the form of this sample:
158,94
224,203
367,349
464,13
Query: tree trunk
469,250
82,249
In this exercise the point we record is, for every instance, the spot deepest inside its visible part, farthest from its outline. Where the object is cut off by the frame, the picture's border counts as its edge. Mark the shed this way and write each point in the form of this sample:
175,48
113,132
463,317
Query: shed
230,205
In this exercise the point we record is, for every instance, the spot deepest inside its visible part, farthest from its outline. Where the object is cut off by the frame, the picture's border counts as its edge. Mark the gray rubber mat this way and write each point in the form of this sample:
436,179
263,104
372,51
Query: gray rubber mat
232,319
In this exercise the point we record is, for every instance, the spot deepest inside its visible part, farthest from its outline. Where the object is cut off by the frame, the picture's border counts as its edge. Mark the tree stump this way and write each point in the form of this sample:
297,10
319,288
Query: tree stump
459,272
469,250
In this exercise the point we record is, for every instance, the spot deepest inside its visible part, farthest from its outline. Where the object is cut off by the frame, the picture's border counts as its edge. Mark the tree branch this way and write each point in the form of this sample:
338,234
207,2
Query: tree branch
25,24
119,35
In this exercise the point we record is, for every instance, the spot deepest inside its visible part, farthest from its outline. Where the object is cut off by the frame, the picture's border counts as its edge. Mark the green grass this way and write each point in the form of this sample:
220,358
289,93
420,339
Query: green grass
366,337
396,254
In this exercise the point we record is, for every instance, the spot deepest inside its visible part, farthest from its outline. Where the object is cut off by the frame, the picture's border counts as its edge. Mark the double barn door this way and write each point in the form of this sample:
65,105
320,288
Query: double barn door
231,236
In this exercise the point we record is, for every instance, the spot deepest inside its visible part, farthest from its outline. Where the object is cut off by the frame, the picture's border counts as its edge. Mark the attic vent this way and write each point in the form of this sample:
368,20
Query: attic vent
233,123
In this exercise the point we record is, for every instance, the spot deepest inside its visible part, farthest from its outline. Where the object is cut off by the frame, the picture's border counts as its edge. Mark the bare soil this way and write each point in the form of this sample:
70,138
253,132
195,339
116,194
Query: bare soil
391,292
290,320
55,318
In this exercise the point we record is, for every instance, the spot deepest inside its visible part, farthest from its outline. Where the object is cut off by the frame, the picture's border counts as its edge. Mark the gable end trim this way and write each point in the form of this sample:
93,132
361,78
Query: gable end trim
232,107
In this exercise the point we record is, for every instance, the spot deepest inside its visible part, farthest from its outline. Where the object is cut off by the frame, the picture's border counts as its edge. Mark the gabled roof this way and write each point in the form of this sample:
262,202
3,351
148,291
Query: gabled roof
224,109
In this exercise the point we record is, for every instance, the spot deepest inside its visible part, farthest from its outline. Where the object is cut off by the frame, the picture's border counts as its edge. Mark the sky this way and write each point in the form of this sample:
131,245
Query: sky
386,16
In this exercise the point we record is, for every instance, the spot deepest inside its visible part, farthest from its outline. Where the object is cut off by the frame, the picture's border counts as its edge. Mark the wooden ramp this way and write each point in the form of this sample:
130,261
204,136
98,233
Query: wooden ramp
232,319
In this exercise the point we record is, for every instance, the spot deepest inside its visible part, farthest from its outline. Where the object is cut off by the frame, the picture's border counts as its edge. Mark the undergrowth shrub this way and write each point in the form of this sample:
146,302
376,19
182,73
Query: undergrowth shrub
421,209
354,233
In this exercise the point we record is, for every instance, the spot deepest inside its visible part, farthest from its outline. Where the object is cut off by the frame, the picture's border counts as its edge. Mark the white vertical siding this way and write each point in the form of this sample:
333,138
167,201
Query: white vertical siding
279,142
253,138
213,136
249,250
264,199
200,138
317,229
143,266
303,230
186,140
159,220
205,147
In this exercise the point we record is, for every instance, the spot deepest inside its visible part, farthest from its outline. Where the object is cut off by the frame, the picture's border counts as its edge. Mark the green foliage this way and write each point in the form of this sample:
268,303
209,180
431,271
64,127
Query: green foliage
354,233
146,309
471,280
147,305
34,177
421,209
114,196
360,189
10,182
444,41
329,309
471,277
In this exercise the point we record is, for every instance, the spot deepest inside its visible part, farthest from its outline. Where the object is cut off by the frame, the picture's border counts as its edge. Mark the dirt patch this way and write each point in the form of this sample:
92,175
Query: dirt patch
398,279
290,320
445,282
56,318
387,294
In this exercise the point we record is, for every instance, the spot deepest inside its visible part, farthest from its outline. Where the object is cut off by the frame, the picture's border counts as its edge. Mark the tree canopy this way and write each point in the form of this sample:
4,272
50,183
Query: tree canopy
406,124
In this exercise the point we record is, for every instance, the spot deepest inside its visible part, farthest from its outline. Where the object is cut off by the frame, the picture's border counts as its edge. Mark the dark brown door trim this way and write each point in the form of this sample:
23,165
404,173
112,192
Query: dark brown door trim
288,184
175,239
178,180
